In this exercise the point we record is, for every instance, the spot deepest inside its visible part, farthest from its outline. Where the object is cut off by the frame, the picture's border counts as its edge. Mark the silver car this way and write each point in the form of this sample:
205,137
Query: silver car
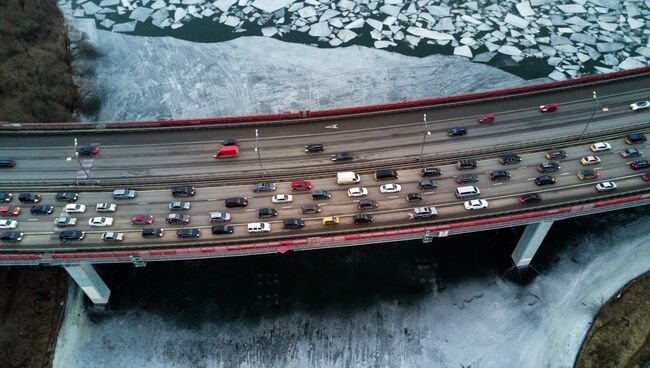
124,193
179,206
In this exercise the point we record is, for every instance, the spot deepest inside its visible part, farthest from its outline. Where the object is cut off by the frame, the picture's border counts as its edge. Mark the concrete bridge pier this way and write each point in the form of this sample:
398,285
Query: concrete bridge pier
90,282
529,242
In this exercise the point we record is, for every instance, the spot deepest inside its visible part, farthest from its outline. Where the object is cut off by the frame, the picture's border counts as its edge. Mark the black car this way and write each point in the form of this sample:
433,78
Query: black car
556,154
639,164
267,212
293,223
367,203
466,164
11,236
430,171
67,196
222,229
548,166
428,184
314,147
188,233
264,187
635,138
6,197
41,209
466,178
182,191
71,235
413,197
236,202
176,218
29,197
310,208
509,159
152,232
362,218
230,142
320,194
545,180
7,163
386,174
456,131
530,198
89,150
499,175
342,156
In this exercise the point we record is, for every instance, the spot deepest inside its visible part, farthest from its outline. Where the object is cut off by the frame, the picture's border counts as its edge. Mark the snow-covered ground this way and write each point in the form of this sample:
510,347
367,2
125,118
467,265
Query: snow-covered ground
479,321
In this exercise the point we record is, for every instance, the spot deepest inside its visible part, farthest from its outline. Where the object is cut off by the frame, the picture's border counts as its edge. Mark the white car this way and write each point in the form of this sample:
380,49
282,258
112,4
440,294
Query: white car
476,204
357,192
640,105
112,236
390,188
600,146
8,224
106,207
282,198
179,206
605,186
100,221
75,208
590,160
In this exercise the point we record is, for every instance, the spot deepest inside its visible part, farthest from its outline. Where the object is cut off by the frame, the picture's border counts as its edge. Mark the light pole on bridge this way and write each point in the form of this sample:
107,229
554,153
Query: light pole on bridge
596,107
257,149
424,137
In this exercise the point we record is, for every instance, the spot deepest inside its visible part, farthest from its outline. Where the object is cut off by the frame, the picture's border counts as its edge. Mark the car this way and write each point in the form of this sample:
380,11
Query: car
100,221
587,174
362,218
112,236
386,174
428,184
179,206
222,229
264,187
555,154
500,175
141,219
342,156
282,198
66,196
509,159
600,146
71,235
476,204
457,131
177,218
390,188
545,180
645,176
528,198
105,207
320,194
635,138
219,217
6,197
548,107
640,105
230,142
293,223
267,212
639,164
331,220
424,212
11,236
8,224
413,197
89,150
152,232
606,186
314,147
5,162
300,185
631,152
188,233
65,221
124,193
548,166
29,197
486,119
236,202
9,211
310,208
41,209
466,178
367,204
357,192
75,208
183,191
590,160
430,171
466,164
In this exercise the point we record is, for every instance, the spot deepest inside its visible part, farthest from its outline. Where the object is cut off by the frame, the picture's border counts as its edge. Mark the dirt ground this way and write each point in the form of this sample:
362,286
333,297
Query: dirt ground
31,308
620,334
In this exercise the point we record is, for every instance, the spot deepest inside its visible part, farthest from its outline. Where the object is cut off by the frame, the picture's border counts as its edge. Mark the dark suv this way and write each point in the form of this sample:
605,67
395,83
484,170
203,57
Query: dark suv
222,229
177,218
152,232
362,218
314,147
466,178
236,202
430,171
267,212
41,209
310,208
67,196
71,235
29,197
183,191
530,198
293,223
426,184
320,194
466,164
367,203
499,175
264,187
388,174
548,166
635,138
509,159
556,154
456,131
188,233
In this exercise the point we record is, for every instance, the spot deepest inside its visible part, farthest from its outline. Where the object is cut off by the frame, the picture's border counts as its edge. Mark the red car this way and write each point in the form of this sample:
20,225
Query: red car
141,219
645,176
486,119
300,185
548,107
9,211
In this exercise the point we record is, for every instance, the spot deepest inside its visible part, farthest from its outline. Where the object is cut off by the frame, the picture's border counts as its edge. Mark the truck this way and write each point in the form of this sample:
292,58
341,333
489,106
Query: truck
227,151
347,177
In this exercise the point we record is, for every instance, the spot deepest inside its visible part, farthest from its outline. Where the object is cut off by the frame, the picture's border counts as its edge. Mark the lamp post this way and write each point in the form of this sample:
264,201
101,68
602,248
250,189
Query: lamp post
592,114
76,155
257,149
424,137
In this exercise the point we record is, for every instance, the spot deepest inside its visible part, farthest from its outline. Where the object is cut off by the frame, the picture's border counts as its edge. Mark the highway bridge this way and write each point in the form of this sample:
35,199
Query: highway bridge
152,159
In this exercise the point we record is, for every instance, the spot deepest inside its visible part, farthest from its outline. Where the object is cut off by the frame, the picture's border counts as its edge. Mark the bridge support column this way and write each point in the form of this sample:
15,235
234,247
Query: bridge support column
90,282
529,242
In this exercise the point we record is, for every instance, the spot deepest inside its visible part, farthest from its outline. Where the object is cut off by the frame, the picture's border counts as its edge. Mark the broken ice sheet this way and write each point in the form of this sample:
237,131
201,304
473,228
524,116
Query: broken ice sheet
141,14
321,29
271,6
125,27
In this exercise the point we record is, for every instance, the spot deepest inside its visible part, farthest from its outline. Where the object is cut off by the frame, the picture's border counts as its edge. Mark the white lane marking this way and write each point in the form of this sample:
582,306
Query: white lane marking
598,168
495,184
529,179
566,173
286,207
250,210
212,200
323,204
32,219
393,197
143,203
522,167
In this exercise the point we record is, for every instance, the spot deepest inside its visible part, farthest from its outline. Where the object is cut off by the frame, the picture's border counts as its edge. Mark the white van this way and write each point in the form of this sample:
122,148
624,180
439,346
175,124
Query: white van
347,177
259,227
467,192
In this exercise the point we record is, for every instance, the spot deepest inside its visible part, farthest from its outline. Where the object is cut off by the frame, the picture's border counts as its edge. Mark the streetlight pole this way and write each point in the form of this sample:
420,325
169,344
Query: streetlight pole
76,155
257,149
592,115
424,137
